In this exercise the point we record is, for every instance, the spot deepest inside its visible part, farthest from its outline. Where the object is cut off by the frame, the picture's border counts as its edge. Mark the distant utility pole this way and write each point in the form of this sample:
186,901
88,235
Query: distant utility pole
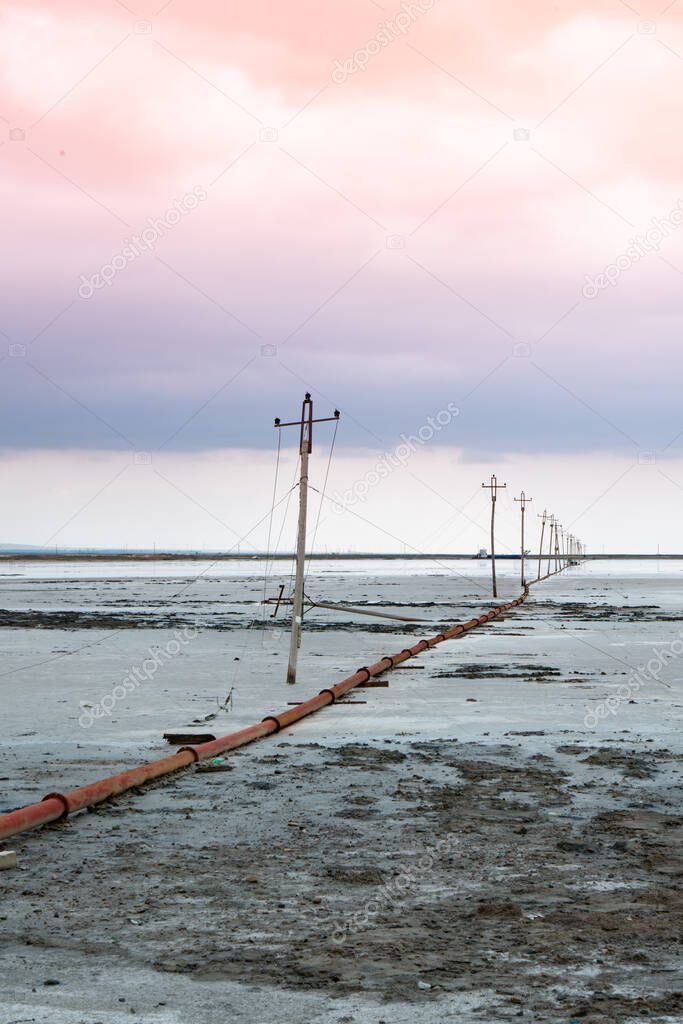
305,425
558,531
543,516
493,487
552,521
523,502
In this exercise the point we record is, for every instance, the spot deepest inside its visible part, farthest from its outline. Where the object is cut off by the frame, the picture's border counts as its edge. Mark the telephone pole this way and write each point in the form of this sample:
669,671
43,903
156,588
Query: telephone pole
523,502
305,425
544,518
493,487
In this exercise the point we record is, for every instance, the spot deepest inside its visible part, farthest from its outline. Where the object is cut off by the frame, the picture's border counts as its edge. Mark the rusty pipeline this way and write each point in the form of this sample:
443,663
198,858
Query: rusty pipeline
56,806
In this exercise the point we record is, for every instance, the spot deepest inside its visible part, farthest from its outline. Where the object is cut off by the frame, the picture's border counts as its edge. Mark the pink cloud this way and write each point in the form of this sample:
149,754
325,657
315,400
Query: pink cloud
495,229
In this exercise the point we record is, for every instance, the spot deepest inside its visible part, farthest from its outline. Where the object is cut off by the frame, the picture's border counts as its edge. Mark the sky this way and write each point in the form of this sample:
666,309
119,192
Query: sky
403,208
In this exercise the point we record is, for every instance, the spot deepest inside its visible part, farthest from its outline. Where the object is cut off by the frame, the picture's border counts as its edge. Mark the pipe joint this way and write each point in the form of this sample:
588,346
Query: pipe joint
368,673
190,750
332,694
273,718
63,801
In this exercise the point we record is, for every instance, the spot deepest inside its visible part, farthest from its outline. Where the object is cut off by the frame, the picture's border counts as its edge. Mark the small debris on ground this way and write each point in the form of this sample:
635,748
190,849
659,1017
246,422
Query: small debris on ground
8,859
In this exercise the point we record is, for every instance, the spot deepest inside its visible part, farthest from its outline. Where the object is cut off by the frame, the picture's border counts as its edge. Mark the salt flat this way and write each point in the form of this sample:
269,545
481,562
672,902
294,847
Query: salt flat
532,748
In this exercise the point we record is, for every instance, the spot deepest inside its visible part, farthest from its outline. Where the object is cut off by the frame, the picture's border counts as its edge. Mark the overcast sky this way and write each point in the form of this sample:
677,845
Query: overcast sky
404,208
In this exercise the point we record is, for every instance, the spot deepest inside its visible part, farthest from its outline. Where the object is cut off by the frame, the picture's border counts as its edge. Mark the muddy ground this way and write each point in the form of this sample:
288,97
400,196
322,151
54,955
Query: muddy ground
461,847
422,874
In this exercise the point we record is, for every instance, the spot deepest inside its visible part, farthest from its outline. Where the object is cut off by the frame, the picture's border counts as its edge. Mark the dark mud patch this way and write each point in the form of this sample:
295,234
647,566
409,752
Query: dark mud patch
73,620
373,758
356,875
632,763
607,612
608,1007
637,764
475,670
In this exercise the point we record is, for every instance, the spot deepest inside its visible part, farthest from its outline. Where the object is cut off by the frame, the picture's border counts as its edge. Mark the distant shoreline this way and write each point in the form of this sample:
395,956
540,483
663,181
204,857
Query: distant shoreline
212,556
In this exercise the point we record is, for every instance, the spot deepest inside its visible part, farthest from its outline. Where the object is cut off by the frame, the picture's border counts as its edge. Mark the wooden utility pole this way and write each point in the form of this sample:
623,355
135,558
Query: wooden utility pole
544,518
551,520
305,425
493,487
523,502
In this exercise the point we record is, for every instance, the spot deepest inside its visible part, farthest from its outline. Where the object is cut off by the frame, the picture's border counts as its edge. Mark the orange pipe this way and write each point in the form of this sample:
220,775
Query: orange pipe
56,806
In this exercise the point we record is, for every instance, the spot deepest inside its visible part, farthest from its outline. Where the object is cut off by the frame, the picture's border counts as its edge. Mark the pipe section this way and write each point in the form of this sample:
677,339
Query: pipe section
56,806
